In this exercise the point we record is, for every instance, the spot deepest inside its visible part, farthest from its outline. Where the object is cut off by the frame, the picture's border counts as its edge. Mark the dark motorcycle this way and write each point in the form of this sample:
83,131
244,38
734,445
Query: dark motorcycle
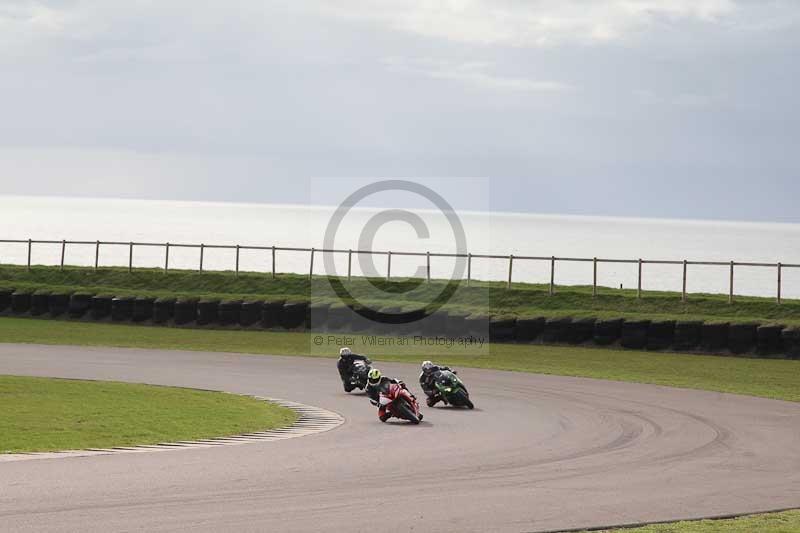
452,390
358,376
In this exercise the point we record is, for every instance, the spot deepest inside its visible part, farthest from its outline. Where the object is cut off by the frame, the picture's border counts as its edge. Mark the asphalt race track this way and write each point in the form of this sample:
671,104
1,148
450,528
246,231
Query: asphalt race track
538,453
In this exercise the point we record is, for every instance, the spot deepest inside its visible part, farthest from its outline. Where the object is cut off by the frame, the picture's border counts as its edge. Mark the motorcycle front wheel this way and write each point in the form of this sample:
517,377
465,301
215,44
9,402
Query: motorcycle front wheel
461,399
407,413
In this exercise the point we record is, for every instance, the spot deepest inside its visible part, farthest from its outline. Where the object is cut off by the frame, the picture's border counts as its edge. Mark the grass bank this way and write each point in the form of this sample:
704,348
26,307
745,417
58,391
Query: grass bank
769,378
43,414
522,299
786,522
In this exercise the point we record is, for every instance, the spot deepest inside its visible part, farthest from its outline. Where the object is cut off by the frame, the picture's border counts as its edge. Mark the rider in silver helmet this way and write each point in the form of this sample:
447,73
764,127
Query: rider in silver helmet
427,378
345,365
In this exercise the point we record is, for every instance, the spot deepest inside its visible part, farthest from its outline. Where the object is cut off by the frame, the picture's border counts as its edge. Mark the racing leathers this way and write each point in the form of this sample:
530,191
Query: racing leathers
345,366
374,392
427,380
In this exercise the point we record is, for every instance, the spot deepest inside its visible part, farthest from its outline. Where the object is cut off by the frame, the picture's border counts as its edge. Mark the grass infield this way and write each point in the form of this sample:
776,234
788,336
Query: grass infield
786,522
45,414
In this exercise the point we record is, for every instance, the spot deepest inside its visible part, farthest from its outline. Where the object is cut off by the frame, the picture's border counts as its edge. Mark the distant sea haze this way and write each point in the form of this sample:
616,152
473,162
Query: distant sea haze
50,218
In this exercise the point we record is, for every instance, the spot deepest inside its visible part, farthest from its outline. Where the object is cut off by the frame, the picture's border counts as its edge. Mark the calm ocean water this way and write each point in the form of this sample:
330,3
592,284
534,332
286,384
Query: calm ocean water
304,226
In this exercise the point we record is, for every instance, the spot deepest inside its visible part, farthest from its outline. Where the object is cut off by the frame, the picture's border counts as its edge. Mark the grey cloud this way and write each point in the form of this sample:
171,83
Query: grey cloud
241,101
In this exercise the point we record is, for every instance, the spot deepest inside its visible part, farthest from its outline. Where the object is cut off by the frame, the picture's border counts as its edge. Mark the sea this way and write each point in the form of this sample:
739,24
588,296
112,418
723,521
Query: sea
306,226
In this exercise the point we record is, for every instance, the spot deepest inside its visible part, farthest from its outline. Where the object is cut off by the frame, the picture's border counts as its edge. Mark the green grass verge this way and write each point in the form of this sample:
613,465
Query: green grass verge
769,378
786,522
482,297
43,414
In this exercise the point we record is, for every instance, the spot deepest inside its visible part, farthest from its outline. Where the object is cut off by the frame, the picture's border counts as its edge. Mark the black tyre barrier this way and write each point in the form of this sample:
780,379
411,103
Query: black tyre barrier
634,334
435,324
769,341
101,306
660,334
207,312
556,330
417,323
529,329
791,342
714,336
339,317
477,325
396,320
361,319
251,312
580,330
5,298
185,311
294,315
271,313
502,328
607,331
318,315
456,324
122,308
385,321
39,305
58,303
143,308
742,338
79,304
163,310
369,315
687,334
230,312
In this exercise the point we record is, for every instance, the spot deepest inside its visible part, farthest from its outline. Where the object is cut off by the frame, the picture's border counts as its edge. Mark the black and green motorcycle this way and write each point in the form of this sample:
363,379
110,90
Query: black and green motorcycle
452,390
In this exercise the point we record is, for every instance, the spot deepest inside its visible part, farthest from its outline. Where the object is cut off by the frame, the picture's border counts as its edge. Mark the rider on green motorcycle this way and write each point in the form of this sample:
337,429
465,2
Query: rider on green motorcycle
427,380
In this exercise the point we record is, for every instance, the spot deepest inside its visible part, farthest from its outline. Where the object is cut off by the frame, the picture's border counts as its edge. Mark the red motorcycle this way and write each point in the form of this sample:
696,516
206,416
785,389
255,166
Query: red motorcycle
398,402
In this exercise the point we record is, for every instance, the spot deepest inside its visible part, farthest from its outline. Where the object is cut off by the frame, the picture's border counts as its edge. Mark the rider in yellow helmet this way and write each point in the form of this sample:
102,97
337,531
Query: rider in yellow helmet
378,383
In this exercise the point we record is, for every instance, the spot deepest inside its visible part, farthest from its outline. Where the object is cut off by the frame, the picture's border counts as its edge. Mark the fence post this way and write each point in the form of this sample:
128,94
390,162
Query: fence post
349,264
469,269
130,257
389,266
428,267
594,277
683,291
237,260
29,254
510,268
96,254
730,292
639,282
202,250
63,250
552,275
166,259
780,268
273,262
311,267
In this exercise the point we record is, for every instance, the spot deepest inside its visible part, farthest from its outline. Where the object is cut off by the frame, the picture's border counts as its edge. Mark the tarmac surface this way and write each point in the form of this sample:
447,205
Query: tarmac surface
538,453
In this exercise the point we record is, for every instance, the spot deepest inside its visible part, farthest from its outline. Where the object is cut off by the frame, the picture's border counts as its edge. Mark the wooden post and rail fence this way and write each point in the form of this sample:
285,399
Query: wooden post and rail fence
511,258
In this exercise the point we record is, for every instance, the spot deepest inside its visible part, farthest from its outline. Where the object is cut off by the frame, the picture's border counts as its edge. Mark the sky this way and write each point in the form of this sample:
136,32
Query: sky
676,109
